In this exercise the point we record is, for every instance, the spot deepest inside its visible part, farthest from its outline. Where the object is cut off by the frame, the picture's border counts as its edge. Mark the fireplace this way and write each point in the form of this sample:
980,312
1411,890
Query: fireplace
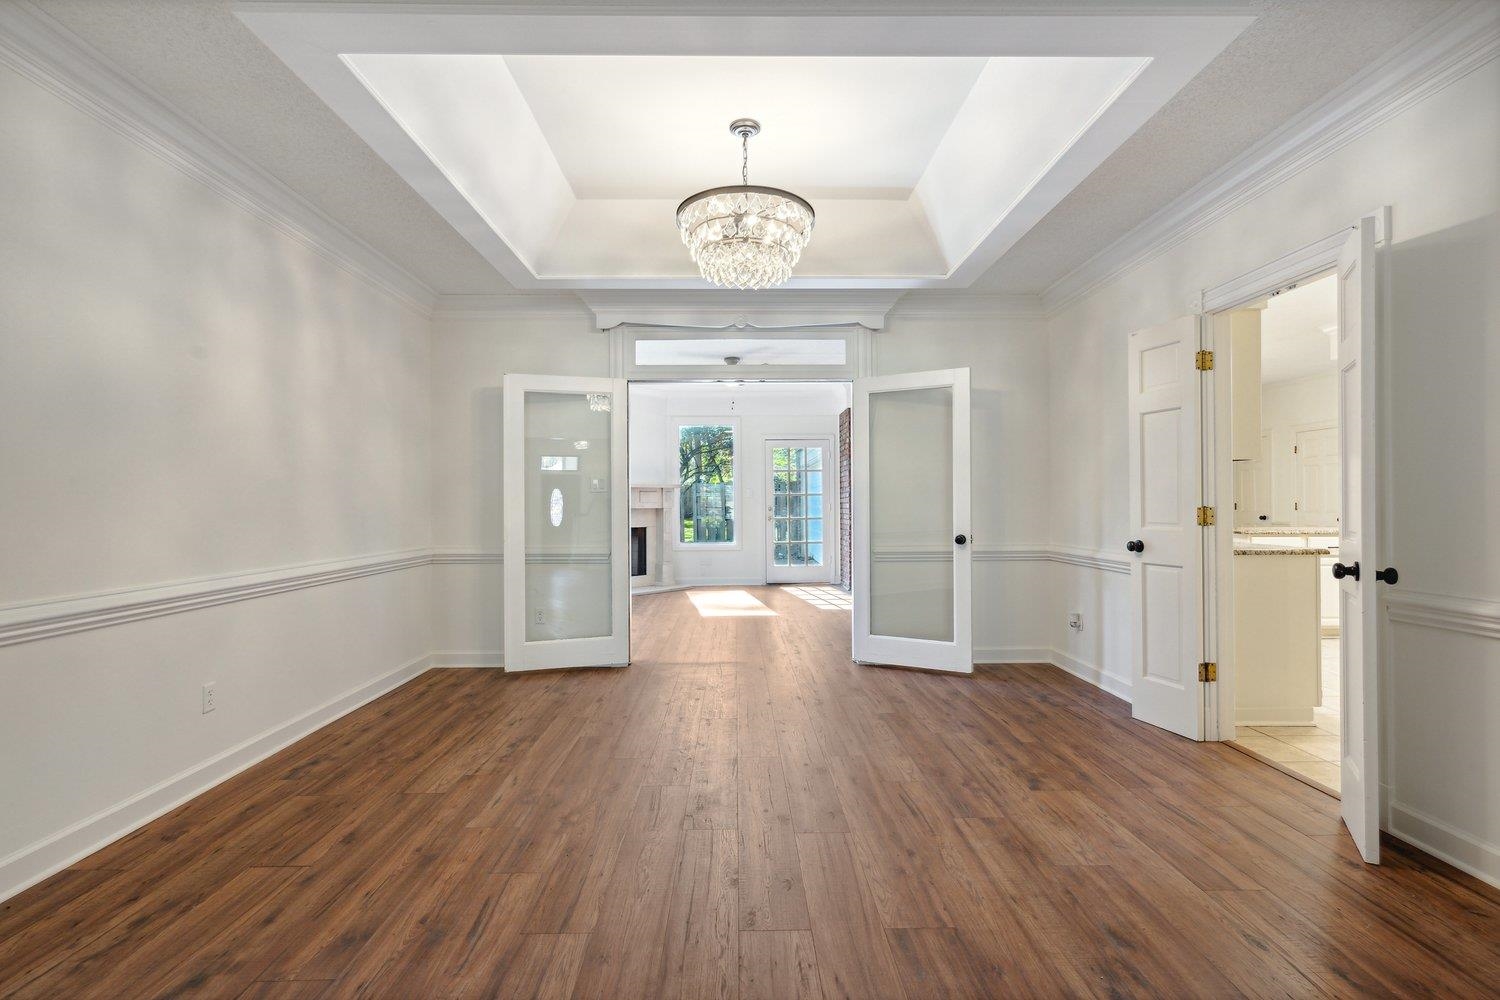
638,552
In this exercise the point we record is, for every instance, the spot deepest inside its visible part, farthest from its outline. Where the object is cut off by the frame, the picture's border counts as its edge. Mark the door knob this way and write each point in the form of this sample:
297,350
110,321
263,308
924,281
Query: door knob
1351,571
1135,546
1387,575
960,539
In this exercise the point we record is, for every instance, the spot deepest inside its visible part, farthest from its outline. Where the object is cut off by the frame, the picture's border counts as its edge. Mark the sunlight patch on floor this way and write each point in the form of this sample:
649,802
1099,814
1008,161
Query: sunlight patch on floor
827,598
728,604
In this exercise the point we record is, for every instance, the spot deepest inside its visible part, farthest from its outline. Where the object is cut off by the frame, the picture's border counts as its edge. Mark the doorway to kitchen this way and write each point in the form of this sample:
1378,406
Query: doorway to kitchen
1284,442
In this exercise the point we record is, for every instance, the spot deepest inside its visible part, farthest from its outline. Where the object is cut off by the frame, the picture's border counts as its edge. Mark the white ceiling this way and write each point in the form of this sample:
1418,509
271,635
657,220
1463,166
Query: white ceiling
658,126
1296,332
203,61
931,145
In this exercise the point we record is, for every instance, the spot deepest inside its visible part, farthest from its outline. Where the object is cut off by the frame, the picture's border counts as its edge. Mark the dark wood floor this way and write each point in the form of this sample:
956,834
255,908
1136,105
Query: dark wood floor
745,813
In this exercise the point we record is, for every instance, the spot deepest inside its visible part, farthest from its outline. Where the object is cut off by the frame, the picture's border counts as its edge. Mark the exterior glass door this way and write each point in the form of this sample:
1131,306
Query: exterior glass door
799,543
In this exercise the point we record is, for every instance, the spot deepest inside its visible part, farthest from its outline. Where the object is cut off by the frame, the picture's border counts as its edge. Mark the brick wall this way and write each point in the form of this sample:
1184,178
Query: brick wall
846,513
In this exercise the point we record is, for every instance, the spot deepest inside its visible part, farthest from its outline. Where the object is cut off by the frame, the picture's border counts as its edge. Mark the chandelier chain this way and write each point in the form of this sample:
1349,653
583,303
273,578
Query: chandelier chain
744,157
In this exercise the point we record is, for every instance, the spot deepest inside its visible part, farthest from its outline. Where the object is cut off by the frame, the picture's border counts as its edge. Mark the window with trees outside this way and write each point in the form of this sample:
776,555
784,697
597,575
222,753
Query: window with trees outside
706,462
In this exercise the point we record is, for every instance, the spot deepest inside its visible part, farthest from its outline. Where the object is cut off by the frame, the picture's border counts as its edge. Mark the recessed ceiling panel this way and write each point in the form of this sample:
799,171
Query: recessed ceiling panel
559,146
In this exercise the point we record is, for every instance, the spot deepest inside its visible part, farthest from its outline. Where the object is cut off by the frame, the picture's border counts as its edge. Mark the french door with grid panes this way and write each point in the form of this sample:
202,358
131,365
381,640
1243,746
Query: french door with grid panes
801,509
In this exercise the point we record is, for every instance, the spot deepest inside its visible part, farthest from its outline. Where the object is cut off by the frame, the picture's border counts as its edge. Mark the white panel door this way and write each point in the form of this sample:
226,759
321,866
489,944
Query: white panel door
567,517
912,538
1166,571
801,510
1359,550
1317,454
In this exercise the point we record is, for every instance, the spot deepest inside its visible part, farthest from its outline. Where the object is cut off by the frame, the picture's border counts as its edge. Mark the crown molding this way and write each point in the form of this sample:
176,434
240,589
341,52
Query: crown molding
1454,45
40,49
723,310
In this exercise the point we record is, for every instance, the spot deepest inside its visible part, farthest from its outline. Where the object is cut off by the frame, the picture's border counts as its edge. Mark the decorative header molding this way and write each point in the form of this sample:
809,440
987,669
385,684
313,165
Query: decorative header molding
721,310
1455,44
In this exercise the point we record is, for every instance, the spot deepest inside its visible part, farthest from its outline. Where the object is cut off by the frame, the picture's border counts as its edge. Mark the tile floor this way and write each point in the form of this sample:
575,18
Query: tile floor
1307,752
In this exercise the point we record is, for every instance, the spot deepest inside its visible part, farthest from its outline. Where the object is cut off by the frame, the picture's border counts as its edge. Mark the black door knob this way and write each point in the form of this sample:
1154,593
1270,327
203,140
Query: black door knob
1265,517
1135,546
960,539
1351,571
1387,575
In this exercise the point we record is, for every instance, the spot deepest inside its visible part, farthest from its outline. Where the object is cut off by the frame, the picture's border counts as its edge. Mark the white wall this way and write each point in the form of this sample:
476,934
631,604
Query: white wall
1008,358
185,392
1438,165
760,412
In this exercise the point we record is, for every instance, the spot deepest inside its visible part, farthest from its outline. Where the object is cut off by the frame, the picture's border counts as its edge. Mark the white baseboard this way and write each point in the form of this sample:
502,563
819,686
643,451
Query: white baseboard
1446,843
1111,683
35,862
452,658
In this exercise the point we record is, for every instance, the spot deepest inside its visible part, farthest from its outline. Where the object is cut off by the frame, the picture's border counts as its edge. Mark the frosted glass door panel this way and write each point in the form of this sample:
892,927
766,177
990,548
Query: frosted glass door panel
911,513
568,561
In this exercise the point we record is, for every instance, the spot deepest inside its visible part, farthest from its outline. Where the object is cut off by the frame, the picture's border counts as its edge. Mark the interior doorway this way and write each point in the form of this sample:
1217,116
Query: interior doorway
1284,446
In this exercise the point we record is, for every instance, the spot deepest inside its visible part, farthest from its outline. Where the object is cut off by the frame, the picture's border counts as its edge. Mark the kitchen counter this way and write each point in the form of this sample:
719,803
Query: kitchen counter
1285,530
1280,550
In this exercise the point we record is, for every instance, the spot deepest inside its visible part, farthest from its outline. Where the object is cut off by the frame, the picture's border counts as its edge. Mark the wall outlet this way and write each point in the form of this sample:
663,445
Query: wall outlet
208,698
1075,622
540,619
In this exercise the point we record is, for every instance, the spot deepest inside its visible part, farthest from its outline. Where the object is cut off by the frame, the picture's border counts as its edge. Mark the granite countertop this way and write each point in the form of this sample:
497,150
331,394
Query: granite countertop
1285,530
1277,550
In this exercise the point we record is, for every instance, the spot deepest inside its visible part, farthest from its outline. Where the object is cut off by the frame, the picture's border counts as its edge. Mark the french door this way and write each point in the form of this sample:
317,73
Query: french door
801,474
567,515
913,541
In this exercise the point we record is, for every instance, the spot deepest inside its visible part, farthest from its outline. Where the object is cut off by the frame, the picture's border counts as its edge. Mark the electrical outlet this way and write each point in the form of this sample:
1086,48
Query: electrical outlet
540,618
208,698
1075,622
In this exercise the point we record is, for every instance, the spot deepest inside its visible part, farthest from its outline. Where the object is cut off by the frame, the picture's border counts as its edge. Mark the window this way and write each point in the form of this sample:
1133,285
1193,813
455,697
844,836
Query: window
706,463
561,463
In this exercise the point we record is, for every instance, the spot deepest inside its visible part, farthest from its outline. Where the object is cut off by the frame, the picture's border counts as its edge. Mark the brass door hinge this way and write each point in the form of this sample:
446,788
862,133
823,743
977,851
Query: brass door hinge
1205,361
1205,516
1208,672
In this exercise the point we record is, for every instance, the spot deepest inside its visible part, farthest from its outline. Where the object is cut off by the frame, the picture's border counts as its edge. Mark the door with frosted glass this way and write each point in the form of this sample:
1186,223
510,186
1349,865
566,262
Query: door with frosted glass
567,515
800,535
913,544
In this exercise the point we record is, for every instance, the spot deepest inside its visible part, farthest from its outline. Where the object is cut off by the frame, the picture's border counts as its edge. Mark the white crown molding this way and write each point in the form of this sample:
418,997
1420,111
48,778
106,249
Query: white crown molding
1454,45
1441,611
48,619
723,310
38,48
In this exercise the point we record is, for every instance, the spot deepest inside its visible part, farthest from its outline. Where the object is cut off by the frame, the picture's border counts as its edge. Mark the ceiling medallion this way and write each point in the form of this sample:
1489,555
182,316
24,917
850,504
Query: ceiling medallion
743,235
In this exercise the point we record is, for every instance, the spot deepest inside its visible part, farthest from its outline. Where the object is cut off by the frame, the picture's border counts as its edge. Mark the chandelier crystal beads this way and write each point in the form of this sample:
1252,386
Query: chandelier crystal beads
745,236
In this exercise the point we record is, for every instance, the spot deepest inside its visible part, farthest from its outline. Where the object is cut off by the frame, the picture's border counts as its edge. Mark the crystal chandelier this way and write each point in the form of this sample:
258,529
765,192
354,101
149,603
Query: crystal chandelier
745,236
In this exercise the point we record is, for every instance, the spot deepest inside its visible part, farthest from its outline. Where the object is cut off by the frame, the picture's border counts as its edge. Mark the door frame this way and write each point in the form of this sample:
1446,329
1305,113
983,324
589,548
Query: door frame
1312,261
831,525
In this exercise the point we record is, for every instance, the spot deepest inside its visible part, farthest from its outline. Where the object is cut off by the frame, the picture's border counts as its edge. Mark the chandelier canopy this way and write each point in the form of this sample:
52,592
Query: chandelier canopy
744,235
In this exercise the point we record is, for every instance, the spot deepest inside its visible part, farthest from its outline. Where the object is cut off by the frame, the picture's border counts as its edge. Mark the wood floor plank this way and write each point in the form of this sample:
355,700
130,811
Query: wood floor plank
778,965
744,812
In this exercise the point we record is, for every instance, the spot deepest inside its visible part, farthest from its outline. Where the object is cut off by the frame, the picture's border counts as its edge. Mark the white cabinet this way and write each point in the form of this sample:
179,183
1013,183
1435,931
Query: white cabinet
1277,651
1244,381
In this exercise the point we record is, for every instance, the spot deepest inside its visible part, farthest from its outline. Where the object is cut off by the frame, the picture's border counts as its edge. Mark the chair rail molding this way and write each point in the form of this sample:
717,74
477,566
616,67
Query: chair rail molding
36,620
43,51
1455,43
1441,611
